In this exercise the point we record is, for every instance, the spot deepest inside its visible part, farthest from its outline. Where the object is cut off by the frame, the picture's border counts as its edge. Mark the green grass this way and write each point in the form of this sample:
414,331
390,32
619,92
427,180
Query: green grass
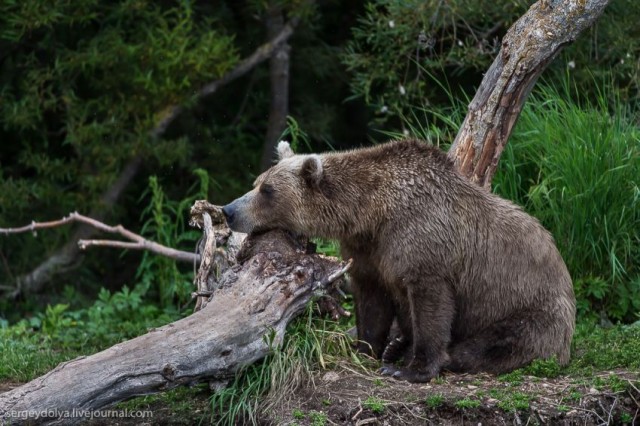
434,401
310,344
317,418
374,404
575,164
511,401
467,403
595,348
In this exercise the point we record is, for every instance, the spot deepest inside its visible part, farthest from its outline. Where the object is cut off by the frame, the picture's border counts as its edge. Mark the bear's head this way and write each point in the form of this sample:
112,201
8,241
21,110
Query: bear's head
281,196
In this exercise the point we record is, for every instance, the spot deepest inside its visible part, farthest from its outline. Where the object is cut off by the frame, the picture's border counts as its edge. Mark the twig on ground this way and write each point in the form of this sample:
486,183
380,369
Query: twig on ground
355,416
631,395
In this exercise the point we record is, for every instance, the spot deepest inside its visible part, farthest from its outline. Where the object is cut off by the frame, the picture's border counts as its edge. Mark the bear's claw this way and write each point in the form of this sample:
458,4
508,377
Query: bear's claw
412,376
388,370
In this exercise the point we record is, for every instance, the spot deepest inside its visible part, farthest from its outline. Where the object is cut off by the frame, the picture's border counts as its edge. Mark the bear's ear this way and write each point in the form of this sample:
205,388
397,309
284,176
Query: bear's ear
284,150
311,170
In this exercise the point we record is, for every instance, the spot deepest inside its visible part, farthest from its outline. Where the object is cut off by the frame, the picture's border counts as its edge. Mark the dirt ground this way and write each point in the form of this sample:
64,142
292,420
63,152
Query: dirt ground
349,397
346,396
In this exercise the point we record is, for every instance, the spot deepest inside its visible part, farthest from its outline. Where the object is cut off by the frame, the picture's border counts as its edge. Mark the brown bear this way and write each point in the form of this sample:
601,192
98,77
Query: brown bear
474,283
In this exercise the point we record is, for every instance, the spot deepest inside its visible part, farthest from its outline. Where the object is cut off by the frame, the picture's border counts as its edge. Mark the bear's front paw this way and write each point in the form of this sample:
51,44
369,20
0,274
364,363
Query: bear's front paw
388,369
415,376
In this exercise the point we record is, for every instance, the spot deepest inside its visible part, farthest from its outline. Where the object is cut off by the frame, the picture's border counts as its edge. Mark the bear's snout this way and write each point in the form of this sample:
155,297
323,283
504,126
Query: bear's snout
237,216
229,212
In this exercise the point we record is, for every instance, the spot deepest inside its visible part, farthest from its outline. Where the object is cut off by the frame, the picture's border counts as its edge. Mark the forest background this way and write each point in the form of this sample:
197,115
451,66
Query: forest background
104,110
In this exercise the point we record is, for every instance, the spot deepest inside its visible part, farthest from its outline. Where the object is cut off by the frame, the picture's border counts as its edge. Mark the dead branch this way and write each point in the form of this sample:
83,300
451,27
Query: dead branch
261,54
138,242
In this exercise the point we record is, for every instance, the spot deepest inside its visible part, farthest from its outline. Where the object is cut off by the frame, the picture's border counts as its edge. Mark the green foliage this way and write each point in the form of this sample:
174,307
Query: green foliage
166,224
82,84
374,404
32,347
296,135
575,165
467,403
514,378
61,110
317,418
511,401
434,401
544,368
596,348
396,46
610,50
35,345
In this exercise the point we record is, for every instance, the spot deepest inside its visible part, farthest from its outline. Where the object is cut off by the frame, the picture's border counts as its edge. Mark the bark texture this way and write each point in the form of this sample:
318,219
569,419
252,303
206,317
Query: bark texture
527,48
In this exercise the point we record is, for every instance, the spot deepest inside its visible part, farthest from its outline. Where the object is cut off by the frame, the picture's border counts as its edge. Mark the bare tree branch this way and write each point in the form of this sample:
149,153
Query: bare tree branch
258,56
138,242
528,47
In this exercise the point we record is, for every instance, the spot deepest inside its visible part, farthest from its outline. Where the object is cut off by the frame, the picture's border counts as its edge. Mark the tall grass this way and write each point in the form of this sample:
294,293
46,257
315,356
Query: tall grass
574,164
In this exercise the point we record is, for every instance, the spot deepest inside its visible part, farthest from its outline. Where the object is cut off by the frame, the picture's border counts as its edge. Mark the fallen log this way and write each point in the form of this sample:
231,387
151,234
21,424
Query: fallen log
244,319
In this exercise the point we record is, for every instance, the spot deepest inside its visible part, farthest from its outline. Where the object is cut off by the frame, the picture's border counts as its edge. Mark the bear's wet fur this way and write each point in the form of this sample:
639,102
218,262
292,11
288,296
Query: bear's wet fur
474,283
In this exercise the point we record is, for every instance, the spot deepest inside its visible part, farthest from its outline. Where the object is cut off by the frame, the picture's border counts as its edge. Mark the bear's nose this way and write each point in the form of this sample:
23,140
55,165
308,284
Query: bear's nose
227,211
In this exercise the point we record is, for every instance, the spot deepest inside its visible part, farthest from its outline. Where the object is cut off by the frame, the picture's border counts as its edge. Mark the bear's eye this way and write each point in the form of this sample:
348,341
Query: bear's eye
266,189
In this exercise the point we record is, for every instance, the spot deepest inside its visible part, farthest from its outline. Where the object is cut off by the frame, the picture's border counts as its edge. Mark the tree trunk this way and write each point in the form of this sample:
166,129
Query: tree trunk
279,78
244,320
527,48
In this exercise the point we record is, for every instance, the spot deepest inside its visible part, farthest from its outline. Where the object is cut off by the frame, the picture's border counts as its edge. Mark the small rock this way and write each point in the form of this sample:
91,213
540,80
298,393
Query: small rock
331,376
472,387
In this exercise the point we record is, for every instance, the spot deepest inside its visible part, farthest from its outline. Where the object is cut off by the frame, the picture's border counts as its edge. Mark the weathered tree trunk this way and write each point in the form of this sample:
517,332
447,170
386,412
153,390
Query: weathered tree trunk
243,321
527,48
